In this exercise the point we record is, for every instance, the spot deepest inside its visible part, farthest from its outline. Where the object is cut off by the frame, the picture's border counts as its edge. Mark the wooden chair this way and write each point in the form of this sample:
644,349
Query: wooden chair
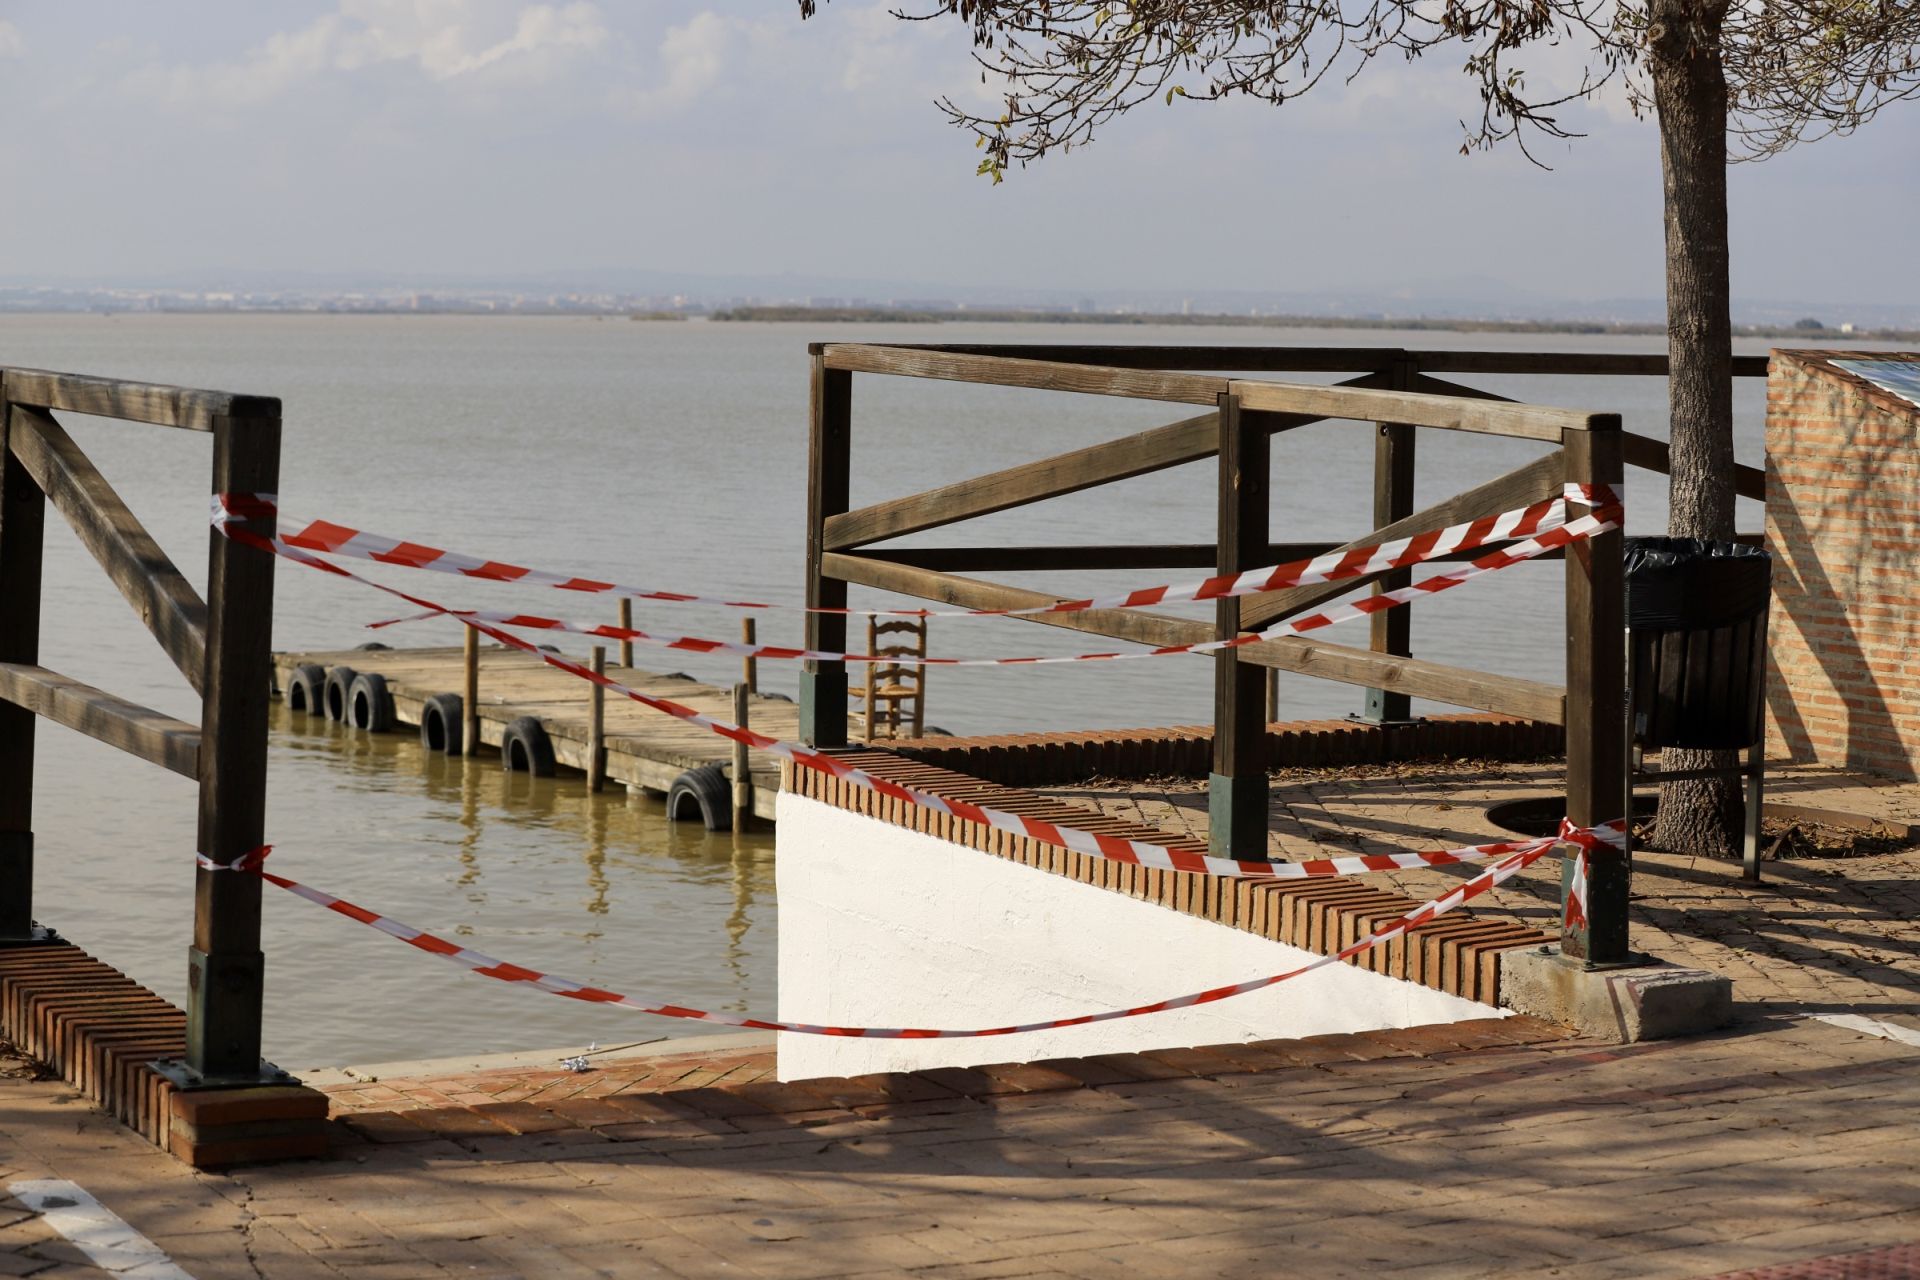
895,693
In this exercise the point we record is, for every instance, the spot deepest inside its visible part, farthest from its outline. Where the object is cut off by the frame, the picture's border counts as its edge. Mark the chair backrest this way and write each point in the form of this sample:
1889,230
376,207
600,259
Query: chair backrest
896,692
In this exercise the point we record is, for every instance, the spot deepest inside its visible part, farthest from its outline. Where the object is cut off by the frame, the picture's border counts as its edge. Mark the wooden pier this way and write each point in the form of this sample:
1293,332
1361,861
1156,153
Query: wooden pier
643,748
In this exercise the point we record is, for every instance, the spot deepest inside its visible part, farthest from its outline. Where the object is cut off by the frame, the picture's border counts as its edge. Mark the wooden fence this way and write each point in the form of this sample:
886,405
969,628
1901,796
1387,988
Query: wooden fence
1399,392
220,645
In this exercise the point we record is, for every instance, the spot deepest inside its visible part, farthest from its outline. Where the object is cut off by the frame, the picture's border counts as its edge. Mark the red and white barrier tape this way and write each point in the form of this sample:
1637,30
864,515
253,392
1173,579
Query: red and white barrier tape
1500,558
1094,844
248,861
341,540
487,966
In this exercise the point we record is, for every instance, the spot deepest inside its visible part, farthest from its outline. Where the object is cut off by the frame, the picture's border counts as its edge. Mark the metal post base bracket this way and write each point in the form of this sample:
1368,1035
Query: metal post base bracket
40,935
185,1079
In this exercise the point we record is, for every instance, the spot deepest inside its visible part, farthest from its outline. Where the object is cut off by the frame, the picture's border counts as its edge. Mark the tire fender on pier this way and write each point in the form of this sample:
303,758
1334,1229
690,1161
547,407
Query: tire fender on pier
307,689
443,724
369,705
336,692
525,748
708,790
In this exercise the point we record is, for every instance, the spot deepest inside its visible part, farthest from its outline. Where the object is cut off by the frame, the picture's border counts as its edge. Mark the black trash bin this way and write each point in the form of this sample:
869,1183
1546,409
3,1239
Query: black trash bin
1697,642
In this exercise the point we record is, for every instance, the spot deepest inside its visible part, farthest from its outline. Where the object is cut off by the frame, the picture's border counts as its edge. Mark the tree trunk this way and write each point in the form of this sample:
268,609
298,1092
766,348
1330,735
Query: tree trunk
1690,98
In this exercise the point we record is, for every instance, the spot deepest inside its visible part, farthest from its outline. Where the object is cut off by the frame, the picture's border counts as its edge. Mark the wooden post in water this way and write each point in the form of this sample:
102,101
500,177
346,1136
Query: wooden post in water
742,772
1237,790
470,693
1392,629
626,624
597,724
23,510
225,968
823,685
1596,705
749,665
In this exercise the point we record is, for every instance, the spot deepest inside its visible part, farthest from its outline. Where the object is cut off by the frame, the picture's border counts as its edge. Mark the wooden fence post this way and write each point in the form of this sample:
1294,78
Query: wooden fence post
23,510
626,624
1392,629
470,692
1237,790
597,724
1596,705
742,766
823,685
749,665
225,967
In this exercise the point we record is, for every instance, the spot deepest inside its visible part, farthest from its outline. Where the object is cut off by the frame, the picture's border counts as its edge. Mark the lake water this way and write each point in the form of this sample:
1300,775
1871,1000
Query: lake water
656,453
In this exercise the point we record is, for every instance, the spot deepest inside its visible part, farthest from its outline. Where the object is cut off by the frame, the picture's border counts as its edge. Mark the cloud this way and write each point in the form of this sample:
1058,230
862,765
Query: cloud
12,43
442,40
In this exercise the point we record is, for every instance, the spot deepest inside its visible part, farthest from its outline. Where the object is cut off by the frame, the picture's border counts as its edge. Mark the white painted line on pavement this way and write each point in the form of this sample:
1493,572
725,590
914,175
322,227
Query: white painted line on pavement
101,1233
1871,1026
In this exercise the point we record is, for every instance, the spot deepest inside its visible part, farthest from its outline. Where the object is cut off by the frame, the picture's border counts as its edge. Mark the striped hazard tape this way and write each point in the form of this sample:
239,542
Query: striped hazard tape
1095,844
488,966
1500,558
341,540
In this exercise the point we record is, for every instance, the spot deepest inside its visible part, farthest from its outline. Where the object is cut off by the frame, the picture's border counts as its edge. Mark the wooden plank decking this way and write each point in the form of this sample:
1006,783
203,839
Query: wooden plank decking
645,748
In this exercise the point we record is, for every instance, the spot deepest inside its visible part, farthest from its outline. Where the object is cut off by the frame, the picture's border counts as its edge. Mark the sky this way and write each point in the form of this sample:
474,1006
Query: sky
446,139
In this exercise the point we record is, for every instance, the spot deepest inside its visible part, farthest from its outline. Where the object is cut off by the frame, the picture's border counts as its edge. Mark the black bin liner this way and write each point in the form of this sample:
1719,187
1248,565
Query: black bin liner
1697,641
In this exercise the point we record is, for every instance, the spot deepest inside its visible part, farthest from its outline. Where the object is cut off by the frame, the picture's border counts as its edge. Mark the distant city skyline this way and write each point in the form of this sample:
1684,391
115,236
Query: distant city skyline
464,144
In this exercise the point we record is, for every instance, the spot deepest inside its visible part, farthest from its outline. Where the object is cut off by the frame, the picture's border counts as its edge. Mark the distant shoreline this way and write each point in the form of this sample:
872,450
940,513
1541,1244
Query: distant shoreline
888,315
882,315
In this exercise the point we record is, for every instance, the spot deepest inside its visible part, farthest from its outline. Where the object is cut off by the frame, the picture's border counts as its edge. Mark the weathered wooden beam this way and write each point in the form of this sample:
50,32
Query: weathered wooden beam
158,739
1450,413
1640,451
23,513
1541,478
227,973
1596,712
154,403
1188,440
1115,355
1391,630
1136,455
167,604
1237,788
1041,375
1626,364
1172,555
1456,686
1655,455
823,685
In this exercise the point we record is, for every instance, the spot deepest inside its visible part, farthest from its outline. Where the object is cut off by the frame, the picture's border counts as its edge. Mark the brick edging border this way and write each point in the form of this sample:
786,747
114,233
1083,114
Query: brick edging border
98,1030
1186,751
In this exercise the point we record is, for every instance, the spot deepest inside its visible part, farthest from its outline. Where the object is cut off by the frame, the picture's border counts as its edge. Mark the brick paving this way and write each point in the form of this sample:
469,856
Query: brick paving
1397,1153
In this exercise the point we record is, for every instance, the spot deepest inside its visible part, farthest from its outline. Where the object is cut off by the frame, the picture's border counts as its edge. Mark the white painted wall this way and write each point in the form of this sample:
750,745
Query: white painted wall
881,926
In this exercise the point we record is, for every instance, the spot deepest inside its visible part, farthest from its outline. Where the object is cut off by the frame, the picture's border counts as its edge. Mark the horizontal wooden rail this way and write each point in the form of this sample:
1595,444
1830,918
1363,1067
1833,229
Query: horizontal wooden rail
1450,413
1439,682
1264,359
1043,375
1119,556
1141,454
148,402
169,606
157,739
1655,455
1523,486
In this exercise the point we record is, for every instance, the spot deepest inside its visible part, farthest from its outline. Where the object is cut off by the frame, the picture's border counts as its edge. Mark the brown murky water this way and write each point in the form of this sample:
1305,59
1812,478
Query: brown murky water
666,453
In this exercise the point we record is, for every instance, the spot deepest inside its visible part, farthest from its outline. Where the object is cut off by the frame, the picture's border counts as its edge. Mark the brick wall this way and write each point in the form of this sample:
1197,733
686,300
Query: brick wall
1843,523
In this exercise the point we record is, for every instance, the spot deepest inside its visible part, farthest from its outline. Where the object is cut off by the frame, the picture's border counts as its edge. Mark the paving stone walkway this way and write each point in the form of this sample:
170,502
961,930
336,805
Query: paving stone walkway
1784,1140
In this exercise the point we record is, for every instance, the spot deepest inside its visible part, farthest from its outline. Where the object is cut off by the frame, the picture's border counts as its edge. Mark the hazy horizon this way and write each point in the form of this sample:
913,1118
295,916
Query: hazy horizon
426,140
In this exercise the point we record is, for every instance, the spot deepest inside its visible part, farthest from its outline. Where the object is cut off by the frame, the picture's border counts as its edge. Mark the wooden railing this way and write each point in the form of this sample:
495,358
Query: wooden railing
1399,392
221,646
